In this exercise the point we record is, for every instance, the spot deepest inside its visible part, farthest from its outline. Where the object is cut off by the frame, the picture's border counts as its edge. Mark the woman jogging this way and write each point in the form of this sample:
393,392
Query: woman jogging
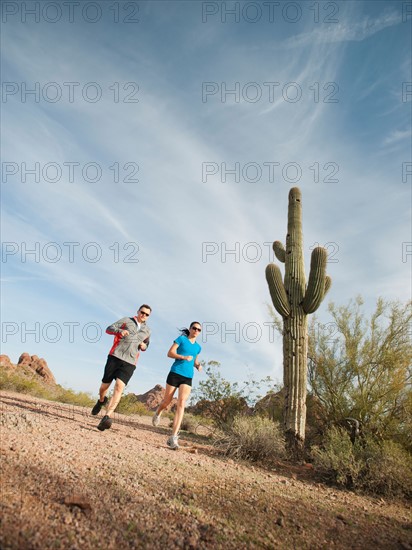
185,351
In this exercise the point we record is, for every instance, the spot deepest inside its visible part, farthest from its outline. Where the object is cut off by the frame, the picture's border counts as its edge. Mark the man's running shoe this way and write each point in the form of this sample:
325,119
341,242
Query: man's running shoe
105,423
97,408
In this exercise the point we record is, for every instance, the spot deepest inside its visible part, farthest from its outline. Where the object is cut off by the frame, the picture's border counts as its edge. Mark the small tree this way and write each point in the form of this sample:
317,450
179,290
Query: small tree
215,387
361,369
222,400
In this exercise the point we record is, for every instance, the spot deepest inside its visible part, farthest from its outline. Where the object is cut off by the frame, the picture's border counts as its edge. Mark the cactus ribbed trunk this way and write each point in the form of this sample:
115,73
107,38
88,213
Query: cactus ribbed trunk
294,330
295,381
294,300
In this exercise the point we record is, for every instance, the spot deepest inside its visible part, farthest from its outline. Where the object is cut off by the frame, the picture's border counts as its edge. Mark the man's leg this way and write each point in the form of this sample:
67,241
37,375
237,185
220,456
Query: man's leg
101,402
103,390
117,394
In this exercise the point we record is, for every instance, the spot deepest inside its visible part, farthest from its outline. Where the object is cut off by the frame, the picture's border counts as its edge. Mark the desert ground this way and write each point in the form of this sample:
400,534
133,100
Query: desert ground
66,485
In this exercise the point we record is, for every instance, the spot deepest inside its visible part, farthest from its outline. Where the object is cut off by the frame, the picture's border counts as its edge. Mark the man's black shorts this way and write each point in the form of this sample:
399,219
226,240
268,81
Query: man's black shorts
117,368
175,380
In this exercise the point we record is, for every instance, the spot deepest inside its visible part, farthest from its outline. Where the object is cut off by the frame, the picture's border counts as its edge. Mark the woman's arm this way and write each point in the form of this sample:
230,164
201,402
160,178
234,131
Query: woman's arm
172,353
197,364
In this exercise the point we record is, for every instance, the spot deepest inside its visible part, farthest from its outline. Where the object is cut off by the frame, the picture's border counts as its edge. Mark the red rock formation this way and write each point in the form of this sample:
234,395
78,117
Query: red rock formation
154,397
5,362
39,366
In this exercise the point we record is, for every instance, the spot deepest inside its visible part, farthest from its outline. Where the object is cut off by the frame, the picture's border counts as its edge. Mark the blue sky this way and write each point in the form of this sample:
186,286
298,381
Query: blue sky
154,146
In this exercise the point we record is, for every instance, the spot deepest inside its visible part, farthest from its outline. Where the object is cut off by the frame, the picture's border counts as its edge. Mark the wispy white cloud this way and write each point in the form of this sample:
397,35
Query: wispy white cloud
397,135
170,213
347,31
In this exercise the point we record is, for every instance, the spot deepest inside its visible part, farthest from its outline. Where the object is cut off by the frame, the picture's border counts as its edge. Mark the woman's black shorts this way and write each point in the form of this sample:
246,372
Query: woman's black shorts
117,368
175,380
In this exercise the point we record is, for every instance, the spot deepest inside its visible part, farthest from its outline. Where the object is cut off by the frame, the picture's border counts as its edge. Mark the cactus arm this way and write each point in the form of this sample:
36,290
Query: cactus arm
279,251
277,290
328,284
317,280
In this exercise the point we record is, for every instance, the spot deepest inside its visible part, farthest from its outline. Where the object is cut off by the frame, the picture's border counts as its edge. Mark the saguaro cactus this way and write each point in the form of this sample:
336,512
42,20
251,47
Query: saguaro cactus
294,301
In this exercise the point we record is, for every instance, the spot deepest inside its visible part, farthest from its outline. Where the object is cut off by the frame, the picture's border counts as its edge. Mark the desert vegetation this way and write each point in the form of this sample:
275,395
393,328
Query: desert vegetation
359,403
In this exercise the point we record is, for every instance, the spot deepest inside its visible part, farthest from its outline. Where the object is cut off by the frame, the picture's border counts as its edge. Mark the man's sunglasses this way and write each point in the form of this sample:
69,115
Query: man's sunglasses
144,313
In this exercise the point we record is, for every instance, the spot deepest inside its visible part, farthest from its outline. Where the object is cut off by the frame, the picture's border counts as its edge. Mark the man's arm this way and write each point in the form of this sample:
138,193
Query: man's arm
117,328
145,344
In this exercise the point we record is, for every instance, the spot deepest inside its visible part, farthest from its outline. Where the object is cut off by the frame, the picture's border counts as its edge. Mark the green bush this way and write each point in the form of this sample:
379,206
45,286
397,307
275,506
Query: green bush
368,465
129,405
168,414
220,400
189,423
360,367
223,411
22,383
336,459
388,469
253,438
82,399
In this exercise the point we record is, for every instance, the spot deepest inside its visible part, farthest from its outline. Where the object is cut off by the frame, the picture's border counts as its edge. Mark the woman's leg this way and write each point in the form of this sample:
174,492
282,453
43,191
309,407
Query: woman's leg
184,392
169,393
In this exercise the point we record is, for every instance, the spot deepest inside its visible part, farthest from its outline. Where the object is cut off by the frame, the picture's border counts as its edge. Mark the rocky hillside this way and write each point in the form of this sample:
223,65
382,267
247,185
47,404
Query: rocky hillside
154,397
29,365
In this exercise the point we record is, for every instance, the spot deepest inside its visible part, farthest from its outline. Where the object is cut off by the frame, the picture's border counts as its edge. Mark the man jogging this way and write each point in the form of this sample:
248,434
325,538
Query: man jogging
131,335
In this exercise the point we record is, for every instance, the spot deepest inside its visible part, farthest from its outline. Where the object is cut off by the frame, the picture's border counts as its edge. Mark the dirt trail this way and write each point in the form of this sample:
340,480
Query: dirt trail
66,485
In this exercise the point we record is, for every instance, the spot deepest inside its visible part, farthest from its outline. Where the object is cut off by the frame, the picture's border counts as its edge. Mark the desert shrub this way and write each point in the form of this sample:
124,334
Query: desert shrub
360,367
190,422
129,405
220,400
368,465
65,395
253,438
388,469
223,411
336,458
22,384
